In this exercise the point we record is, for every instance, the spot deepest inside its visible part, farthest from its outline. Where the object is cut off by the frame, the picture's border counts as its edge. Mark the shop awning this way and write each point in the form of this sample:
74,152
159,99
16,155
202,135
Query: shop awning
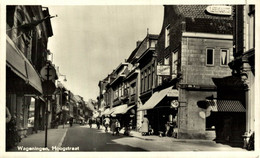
122,109
34,79
226,106
21,66
108,111
155,99
14,59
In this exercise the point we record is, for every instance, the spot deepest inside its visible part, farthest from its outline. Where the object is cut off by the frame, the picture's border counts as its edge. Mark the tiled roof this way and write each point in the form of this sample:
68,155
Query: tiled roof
198,11
220,26
198,20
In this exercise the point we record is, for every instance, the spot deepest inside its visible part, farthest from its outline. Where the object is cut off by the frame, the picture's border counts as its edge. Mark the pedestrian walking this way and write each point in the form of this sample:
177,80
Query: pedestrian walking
145,125
71,121
117,125
113,126
98,123
90,123
106,123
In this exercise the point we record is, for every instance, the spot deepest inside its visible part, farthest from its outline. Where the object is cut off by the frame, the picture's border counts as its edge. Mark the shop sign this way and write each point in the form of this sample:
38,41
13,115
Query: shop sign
173,93
174,103
163,70
219,10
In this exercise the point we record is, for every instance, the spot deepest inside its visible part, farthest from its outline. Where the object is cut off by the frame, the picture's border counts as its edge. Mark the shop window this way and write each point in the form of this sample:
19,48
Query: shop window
209,57
167,36
31,113
224,57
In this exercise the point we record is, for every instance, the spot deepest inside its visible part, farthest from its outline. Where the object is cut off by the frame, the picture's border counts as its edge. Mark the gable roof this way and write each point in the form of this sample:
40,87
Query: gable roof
141,47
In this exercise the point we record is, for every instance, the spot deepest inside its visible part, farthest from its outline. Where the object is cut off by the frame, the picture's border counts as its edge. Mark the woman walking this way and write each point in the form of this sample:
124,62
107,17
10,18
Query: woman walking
117,124
145,125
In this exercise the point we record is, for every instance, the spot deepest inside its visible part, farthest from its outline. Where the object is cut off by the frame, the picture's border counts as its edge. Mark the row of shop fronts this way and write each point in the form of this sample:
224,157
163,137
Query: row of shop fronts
35,99
183,77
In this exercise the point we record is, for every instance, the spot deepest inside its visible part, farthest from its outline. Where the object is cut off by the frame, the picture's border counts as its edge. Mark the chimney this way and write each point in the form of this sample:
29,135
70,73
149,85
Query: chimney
138,43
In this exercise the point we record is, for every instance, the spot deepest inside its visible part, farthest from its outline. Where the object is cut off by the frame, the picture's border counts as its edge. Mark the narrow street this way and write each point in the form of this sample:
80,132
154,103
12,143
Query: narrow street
92,139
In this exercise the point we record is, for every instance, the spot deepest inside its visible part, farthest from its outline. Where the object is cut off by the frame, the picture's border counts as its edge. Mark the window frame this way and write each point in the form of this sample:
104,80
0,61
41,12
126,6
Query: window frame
213,56
228,56
167,36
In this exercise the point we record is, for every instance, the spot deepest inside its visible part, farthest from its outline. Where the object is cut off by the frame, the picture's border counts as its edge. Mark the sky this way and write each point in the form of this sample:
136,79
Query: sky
88,42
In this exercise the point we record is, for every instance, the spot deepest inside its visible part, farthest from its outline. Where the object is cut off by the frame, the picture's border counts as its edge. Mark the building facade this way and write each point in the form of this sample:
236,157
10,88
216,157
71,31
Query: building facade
193,47
241,84
27,31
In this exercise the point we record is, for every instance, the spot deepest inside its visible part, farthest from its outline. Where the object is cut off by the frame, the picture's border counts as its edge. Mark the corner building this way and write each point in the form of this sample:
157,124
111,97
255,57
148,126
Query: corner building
193,46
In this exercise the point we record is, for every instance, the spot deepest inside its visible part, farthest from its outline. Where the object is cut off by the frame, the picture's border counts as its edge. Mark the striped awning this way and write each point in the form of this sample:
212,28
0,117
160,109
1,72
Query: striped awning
226,106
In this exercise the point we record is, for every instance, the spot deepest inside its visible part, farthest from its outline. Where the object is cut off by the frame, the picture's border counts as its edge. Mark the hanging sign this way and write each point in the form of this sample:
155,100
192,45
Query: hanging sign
174,103
219,10
163,70
44,72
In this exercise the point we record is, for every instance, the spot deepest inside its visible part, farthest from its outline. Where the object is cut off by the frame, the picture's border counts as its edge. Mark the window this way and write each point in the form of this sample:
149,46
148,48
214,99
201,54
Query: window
251,28
133,87
145,80
224,57
142,82
149,79
159,77
167,36
210,56
153,43
174,63
153,76
31,113
166,61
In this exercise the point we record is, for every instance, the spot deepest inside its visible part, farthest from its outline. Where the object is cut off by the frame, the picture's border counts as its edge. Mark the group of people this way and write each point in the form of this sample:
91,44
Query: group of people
113,123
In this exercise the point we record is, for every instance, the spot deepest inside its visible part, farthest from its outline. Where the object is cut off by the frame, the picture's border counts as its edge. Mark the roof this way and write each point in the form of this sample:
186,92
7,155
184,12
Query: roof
198,11
198,20
77,98
137,52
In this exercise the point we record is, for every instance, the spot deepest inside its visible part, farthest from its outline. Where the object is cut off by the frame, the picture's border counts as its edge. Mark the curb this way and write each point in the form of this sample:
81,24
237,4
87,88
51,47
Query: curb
62,139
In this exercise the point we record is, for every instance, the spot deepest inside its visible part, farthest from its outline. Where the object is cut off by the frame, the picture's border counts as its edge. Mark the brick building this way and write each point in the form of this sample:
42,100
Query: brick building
193,47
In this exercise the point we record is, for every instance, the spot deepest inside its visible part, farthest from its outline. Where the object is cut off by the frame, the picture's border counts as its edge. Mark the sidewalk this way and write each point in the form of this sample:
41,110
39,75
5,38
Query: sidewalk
192,143
36,142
